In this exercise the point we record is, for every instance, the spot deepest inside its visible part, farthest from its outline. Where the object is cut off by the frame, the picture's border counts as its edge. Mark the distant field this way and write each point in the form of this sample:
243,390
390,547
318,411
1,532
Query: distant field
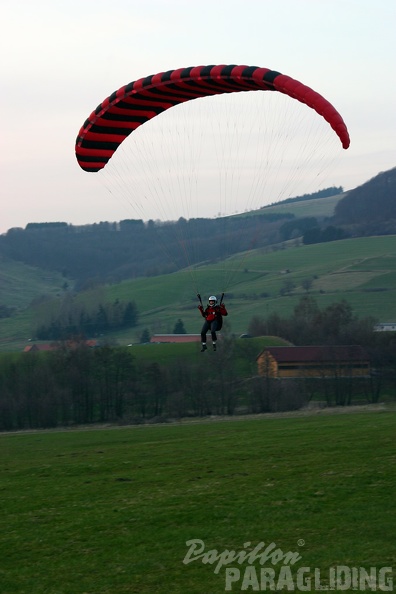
19,286
362,271
110,511
19,283
244,353
320,207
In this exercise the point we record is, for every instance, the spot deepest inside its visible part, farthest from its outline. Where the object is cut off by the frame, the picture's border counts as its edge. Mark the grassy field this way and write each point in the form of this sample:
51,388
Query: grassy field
20,284
362,271
320,207
109,511
187,352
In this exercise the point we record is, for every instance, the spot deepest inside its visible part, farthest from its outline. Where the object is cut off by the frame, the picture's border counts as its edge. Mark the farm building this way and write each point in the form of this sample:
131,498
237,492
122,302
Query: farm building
385,327
34,348
175,338
313,362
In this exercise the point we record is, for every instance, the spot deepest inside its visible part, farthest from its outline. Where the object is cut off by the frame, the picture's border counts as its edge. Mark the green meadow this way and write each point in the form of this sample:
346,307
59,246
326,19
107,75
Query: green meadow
320,207
109,511
362,271
20,283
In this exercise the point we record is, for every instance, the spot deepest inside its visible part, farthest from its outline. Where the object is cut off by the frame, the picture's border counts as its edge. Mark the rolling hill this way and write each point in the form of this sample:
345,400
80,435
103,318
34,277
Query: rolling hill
270,278
320,207
361,270
20,283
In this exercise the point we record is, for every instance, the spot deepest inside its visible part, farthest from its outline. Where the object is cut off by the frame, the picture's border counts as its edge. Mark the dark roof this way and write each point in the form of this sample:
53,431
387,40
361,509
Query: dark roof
31,348
286,354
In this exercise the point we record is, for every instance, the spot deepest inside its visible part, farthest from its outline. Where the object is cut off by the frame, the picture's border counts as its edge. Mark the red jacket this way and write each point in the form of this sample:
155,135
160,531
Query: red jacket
211,313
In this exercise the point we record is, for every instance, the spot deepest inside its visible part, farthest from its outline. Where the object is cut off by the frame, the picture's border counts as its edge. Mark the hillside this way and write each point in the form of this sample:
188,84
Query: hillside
111,252
20,283
320,208
361,270
267,268
370,209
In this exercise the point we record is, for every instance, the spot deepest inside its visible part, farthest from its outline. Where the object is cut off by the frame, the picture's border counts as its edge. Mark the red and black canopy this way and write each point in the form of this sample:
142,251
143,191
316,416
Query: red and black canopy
139,101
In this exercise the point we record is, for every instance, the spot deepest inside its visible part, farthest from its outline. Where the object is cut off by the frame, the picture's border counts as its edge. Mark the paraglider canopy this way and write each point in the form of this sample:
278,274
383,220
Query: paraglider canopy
138,102
197,172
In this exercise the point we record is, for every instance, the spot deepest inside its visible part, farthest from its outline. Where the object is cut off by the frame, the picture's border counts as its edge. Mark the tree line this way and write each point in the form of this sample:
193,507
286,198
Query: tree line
111,252
82,385
325,193
309,325
69,317
370,208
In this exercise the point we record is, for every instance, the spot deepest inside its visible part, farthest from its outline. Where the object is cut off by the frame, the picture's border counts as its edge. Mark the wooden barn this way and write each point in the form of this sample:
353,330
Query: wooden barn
313,362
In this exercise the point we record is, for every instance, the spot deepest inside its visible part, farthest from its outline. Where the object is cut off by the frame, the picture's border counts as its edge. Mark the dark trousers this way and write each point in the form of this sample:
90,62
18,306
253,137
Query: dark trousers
212,326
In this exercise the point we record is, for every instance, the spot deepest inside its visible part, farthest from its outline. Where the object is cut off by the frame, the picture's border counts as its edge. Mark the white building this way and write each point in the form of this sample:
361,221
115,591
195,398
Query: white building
385,327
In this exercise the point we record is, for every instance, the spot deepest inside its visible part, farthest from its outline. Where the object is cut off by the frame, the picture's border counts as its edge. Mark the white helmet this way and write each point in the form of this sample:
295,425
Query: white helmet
212,298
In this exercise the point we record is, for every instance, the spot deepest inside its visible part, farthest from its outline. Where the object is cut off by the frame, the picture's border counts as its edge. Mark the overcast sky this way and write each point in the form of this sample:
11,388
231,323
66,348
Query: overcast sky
60,59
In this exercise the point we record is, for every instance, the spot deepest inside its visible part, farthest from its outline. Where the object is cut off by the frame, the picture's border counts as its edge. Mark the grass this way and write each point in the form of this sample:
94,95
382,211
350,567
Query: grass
361,270
320,207
339,268
244,354
20,283
109,511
